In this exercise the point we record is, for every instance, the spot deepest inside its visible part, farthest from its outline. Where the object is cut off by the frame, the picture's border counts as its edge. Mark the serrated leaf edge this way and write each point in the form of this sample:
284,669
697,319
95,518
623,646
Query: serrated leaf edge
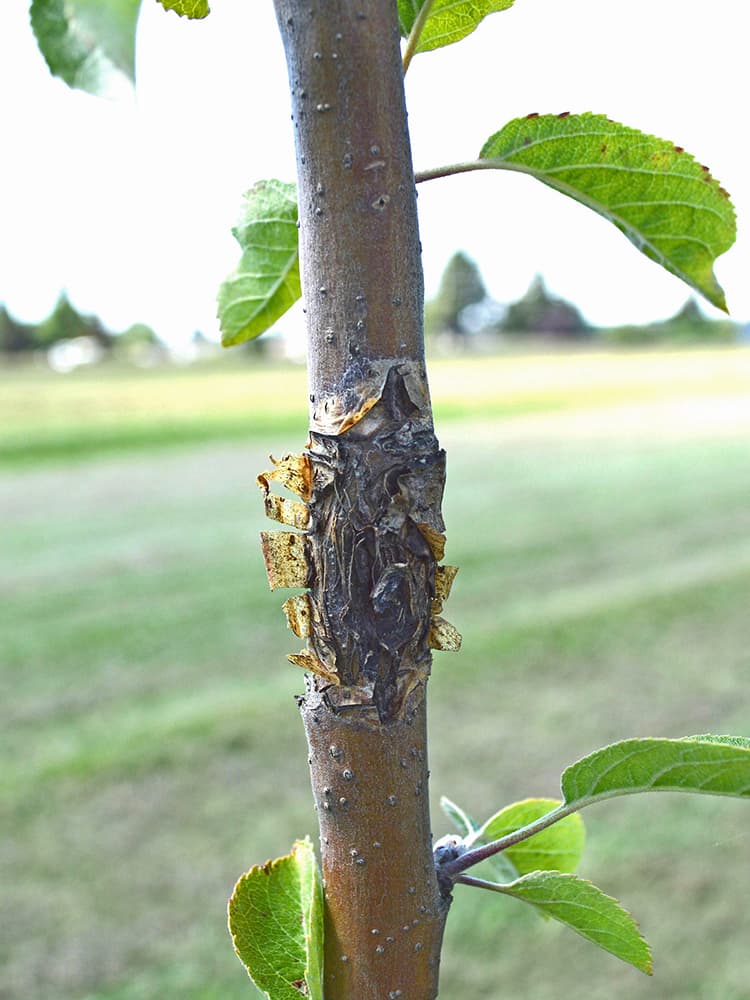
714,293
268,867
507,889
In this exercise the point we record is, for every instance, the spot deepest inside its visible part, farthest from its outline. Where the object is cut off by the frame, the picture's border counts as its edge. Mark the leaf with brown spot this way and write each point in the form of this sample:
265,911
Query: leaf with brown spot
666,203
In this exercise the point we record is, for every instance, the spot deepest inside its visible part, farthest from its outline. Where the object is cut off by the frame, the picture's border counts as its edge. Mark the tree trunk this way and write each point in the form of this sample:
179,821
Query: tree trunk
376,476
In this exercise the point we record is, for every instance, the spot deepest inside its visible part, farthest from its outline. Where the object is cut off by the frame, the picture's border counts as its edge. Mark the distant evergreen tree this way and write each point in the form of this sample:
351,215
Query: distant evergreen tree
689,325
689,315
66,323
14,336
538,312
461,286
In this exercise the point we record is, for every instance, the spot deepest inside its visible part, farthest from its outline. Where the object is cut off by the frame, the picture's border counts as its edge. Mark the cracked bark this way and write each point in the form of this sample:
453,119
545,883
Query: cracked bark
375,529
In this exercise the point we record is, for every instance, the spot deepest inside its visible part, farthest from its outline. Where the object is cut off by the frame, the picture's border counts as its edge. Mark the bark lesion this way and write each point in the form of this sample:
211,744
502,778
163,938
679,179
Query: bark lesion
373,567
369,550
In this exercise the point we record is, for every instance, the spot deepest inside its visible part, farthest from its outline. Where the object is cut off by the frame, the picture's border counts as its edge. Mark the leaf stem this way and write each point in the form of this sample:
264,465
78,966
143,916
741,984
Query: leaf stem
477,854
480,883
462,168
415,34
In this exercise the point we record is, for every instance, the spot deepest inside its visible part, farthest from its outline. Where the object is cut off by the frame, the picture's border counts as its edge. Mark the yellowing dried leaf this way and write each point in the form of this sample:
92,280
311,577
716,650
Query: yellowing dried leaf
285,558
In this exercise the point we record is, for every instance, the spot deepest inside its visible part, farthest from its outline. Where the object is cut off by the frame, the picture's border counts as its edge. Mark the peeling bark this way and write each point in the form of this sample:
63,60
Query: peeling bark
373,569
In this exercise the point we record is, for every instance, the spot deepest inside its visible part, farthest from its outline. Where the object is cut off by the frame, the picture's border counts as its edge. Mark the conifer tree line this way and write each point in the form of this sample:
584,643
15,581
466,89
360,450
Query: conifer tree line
461,309
65,322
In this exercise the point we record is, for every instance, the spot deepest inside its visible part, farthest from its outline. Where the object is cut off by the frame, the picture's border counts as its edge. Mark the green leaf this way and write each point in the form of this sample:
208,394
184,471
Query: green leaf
448,20
276,922
187,8
715,765
502,868
465,824
730,741
87,43
586,909
267,281
659,196
559,847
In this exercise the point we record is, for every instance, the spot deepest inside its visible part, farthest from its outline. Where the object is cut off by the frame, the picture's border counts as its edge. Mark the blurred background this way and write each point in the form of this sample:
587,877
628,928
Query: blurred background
597,506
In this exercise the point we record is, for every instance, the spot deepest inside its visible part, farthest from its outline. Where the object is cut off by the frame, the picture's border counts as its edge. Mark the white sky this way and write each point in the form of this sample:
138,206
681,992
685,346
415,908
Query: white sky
128,205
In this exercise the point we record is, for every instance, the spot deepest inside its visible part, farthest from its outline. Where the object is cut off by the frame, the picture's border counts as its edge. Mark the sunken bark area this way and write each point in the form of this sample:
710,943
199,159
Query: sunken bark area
374,511
384,916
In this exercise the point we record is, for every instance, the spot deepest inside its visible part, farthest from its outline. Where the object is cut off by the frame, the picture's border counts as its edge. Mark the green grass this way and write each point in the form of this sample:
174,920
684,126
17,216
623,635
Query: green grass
150,745
111,409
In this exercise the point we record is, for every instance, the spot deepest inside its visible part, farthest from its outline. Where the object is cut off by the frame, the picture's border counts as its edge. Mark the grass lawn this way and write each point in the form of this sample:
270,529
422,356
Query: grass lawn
151,751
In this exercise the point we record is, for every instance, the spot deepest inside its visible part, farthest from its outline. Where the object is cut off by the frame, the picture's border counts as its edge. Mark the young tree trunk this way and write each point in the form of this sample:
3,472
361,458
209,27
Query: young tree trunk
377,473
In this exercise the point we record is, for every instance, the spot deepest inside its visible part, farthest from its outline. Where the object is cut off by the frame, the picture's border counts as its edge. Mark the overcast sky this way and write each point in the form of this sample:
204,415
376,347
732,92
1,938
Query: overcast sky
128,205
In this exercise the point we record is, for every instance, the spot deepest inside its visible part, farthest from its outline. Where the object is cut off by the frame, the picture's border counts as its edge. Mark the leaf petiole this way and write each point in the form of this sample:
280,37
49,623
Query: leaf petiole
415,34
713,765
457,168
480,883
477,854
